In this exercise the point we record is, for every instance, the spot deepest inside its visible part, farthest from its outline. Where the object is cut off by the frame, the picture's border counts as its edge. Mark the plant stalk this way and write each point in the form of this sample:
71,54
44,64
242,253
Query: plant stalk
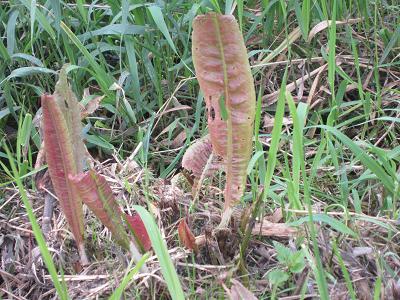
82,255
249,228
226,217
137,256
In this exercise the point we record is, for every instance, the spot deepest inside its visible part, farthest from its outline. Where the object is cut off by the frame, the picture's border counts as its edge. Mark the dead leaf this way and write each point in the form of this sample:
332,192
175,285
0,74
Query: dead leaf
176,142
179,140
276,216
264,228
92,105
186,236
269,122
325,24
359,251
396,289
244,219
196,158
273,97
361,286
240,292
267,228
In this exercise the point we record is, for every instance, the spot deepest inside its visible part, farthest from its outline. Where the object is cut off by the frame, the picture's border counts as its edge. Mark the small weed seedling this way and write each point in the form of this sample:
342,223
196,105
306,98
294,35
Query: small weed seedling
290,263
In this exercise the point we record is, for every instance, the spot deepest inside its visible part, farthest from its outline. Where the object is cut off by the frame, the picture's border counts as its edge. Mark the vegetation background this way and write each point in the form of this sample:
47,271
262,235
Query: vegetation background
331,171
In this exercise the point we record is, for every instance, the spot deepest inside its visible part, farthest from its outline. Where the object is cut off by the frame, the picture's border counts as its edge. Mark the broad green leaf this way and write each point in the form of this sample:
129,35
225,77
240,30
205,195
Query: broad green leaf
283,253
297,263
277,277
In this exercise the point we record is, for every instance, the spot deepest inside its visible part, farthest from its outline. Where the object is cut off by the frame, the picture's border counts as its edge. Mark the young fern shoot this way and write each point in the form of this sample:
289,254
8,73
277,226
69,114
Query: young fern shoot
223,72
97,195
65,151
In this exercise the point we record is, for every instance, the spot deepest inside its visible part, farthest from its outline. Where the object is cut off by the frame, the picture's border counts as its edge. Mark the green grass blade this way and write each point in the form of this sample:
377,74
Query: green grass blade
306,13
29,58
275,136
118,29
298,154
3,52
128,277
332,222
161,250
56,9
345,272
158,18
27,71
228,6
61,288
133,66
364,158
11,24
298,116
332,54
41,18
100,74
32,12
395,39
240,13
